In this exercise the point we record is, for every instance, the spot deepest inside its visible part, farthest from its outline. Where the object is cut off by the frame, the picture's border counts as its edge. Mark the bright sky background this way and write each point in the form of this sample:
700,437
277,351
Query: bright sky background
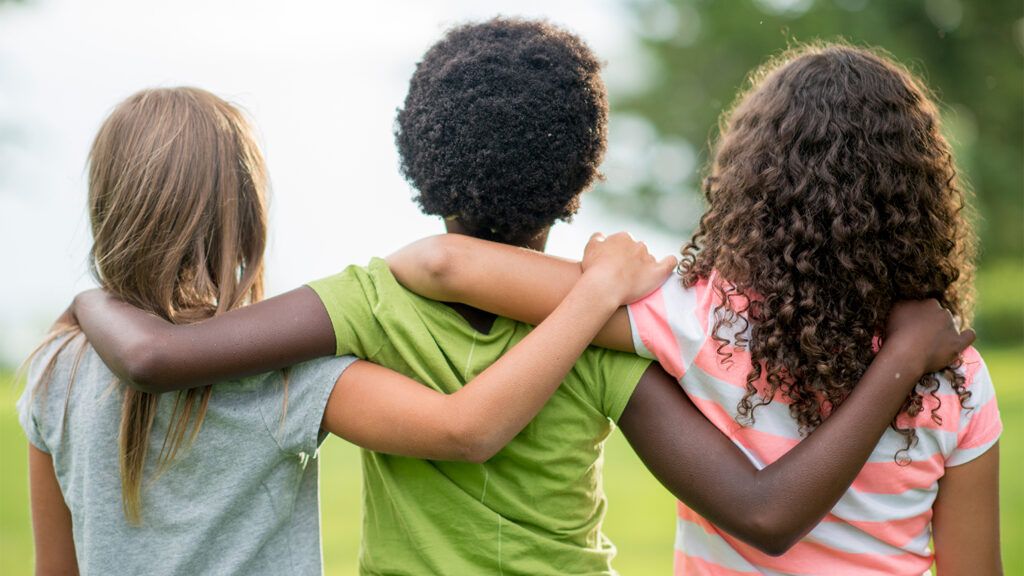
322,81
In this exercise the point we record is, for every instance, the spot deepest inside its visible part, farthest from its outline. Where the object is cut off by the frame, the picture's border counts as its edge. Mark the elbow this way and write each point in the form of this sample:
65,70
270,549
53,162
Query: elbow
440,259
471,444
142,367
776,547
479,454
771,535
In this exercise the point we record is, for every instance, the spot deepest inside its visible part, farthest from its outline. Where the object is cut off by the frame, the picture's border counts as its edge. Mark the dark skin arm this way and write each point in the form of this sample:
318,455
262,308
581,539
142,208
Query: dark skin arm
705,470
156,356
803,485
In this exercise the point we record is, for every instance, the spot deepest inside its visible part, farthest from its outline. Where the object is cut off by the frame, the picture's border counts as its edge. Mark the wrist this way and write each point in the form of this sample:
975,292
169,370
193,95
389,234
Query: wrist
601,289
906,354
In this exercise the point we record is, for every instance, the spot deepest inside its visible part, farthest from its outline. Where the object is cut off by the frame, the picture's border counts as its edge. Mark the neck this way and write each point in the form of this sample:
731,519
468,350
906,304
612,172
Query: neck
480,320
536,242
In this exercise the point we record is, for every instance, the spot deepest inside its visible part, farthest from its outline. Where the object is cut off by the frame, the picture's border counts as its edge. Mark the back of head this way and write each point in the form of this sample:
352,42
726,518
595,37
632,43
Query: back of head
832,195
504,126
177,205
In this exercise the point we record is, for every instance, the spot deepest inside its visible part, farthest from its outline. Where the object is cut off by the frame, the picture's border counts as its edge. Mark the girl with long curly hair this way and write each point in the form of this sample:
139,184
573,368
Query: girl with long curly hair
832,195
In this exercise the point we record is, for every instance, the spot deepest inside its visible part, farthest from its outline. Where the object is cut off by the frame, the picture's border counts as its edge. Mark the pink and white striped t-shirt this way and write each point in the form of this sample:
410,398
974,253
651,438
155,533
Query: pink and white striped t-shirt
882,524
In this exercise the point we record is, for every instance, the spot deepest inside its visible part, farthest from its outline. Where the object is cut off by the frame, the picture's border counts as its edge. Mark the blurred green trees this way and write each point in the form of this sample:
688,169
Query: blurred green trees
697,53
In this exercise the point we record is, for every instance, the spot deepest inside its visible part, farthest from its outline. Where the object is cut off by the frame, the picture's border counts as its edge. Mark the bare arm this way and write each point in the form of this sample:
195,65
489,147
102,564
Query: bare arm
701,467
515,282
387,412
157,356
51,519
965,524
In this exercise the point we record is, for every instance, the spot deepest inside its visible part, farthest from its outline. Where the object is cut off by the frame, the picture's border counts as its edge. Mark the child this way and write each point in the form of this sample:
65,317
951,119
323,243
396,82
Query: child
832,195
218,481
502,130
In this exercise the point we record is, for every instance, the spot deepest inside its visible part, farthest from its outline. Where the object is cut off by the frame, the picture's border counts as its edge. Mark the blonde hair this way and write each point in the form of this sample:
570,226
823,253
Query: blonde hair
177,206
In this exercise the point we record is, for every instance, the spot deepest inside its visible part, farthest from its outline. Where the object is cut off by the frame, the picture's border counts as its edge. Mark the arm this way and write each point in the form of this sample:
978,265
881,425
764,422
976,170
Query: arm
51,519
387,412
515,282
148,351
701,467
965,524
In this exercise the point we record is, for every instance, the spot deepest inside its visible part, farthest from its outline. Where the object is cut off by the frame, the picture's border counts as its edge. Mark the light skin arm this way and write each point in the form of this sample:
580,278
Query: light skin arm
965,524
51,519
518,283
371,406
384,411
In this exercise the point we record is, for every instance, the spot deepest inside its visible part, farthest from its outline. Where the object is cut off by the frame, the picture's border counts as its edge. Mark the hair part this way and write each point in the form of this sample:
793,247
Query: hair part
832,195
504,126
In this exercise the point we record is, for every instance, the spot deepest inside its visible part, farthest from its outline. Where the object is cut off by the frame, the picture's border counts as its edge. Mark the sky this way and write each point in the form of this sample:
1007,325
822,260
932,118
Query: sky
321,81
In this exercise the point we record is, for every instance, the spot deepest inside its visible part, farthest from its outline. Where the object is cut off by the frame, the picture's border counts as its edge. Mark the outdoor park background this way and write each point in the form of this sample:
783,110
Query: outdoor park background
322,81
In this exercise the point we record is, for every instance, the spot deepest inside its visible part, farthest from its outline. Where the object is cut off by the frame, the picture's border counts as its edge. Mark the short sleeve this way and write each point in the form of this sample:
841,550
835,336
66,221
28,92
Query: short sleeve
980,424
612,378
350,299
27,418
294,417
666,325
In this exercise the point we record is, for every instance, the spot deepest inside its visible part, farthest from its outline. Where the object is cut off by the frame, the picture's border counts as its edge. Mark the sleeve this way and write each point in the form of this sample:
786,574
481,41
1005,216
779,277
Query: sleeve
665,326
980,424
27,405
32,401
639,315
293,407
612,377
350,298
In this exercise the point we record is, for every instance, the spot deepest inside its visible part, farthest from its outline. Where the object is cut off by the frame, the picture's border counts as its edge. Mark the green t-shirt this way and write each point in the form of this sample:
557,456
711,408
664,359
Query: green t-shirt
536,508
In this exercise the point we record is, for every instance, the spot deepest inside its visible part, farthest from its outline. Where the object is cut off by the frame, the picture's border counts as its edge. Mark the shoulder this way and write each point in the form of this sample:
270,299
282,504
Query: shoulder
359,290
601,365
59,360
671,323
976,379
978,422
320,369
64,365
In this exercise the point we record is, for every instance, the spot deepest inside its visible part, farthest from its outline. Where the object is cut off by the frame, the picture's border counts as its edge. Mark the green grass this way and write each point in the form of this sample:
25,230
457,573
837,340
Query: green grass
640,515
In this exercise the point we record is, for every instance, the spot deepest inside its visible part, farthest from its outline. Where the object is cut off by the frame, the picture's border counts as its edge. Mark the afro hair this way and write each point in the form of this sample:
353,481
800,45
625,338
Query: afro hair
504,126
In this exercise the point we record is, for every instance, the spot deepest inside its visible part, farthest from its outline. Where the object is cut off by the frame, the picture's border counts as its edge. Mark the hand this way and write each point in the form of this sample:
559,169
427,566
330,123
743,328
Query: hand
624,266
927,331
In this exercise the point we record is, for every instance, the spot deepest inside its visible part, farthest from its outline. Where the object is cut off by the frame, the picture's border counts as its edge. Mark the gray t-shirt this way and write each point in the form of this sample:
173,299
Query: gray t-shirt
242,500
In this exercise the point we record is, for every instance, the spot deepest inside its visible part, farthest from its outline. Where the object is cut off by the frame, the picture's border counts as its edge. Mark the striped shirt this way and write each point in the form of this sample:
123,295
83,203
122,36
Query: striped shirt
882,524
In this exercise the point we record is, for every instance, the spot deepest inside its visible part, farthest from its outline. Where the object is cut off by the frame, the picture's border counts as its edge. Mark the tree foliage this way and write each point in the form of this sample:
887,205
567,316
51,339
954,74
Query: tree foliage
698,52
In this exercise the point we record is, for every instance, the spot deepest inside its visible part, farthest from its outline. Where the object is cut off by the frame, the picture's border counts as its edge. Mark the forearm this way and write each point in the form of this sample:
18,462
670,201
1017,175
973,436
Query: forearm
125,338
157,356
506,280
495,406
388,412
703,468
808,480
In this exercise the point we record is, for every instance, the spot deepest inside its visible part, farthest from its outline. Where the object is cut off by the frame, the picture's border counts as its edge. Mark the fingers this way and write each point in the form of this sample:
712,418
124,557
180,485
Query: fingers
668,263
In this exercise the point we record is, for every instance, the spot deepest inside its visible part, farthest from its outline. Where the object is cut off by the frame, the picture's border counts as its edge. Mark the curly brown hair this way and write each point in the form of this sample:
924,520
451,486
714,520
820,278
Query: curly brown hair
831,196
